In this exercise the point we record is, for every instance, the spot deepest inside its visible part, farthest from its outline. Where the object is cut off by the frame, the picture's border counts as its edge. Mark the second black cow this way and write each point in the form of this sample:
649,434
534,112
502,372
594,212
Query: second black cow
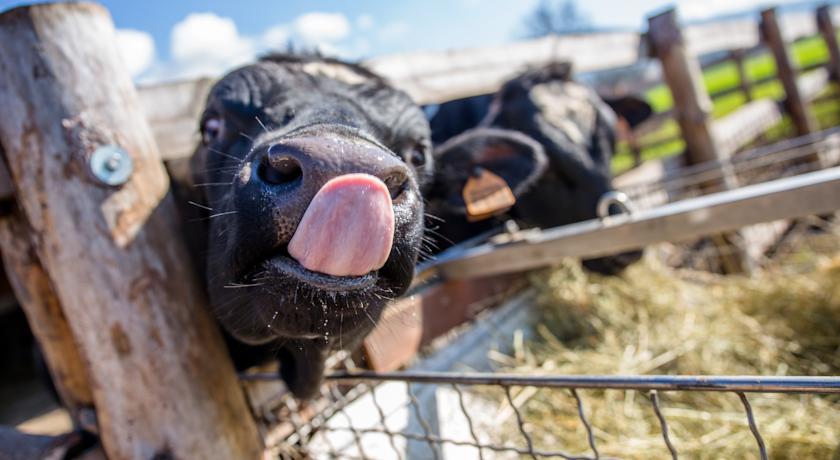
548,137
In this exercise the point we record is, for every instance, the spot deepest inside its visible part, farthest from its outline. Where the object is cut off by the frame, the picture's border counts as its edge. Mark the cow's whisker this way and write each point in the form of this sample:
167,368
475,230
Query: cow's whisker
211,184
198,205
242,285
222,214
261,124
226,155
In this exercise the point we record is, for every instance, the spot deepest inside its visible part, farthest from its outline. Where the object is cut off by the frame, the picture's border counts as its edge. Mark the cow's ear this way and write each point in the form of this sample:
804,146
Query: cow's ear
511,155
631,108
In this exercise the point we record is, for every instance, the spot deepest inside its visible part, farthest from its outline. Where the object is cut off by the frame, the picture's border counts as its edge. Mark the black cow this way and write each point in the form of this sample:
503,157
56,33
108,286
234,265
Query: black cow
551,141
308,176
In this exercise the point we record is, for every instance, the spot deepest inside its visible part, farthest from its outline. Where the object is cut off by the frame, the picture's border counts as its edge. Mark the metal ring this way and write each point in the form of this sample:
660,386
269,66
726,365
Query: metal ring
614,197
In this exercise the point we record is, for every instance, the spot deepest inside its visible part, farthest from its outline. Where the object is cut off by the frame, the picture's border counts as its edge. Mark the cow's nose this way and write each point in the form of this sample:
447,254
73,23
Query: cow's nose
300,166
279,168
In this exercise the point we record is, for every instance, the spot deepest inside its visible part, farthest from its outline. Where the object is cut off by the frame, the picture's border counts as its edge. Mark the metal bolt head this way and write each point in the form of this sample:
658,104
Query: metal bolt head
111,165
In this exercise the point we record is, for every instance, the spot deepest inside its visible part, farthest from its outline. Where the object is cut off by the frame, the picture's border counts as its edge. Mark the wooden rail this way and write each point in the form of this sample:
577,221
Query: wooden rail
825,24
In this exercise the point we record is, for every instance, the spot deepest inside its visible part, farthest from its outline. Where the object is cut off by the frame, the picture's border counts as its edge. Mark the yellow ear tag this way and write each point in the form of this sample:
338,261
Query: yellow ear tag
486,195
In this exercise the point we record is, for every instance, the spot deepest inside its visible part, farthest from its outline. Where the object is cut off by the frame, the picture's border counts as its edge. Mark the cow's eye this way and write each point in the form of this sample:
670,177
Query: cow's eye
416,156
212,130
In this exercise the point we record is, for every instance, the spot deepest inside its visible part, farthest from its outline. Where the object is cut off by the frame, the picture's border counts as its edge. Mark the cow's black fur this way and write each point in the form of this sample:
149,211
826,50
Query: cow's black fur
254,206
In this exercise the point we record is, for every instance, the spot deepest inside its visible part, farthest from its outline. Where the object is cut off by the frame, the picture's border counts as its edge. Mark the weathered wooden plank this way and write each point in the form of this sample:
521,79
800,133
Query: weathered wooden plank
786,72
789,198
413,322
727,34
692,106
692,109
173,111
36,295
434,77
829,35
751,120
746,124
162,383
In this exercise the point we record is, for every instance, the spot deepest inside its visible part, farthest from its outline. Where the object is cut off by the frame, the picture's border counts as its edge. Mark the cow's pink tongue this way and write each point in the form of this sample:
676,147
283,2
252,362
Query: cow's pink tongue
348,228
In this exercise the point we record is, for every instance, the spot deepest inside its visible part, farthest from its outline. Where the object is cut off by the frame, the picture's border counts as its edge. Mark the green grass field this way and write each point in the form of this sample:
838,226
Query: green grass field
806,52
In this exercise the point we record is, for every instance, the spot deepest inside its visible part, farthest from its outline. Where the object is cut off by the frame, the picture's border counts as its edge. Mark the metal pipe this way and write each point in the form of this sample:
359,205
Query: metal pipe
788,198
747,384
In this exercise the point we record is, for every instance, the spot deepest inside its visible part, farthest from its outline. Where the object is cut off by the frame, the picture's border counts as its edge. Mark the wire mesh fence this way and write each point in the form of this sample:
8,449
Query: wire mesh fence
360,419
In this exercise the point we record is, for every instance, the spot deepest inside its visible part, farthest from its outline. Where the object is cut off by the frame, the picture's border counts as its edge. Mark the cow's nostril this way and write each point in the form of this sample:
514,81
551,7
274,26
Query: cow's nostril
279,170
396,183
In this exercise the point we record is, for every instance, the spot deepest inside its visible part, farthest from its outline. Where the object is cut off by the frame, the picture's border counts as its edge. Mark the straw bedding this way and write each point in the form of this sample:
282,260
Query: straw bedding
785,320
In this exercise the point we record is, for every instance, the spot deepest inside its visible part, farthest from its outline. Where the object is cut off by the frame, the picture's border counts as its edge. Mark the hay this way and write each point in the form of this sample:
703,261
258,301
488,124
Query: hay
656,320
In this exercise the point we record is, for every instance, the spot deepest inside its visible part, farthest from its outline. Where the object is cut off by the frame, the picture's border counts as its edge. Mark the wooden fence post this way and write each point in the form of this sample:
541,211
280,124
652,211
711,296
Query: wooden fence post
829,34
162,383
692,109
794,104
35,292
738,55
692,106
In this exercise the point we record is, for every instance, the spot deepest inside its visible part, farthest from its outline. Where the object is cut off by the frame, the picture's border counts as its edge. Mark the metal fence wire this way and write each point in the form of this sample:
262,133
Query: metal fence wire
338,431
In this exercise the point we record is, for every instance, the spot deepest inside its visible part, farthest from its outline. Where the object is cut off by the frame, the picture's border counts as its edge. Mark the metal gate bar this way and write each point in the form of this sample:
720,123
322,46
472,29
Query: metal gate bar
792,197
740,383
653,385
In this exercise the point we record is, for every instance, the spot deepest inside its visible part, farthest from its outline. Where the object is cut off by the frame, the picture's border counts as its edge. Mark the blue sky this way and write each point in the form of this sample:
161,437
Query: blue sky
163,40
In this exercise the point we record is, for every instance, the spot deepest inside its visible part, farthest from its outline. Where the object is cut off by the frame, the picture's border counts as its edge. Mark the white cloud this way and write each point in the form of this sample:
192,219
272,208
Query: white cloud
393,31
207,44
694,9
364,22
276,37
316,28
137,49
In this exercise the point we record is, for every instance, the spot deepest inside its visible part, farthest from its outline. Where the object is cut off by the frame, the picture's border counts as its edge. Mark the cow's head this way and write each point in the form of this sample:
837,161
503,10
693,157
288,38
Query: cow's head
576,130
311,172
515,158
